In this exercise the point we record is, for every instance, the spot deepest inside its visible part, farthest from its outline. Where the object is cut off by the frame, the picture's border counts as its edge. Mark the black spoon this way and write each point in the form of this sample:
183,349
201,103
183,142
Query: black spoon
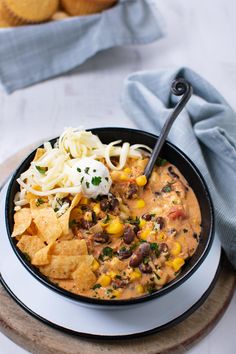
179,87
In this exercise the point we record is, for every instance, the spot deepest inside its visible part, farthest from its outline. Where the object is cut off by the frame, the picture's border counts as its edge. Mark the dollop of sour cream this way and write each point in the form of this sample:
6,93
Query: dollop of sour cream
93,176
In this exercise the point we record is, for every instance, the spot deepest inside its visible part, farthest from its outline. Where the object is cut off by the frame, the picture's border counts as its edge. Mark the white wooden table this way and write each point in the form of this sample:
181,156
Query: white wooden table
200,34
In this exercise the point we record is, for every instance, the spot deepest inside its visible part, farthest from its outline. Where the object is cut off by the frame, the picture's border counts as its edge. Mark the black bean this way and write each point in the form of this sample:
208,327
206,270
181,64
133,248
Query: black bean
124,253
101,237
160,220
129,235
86,224
132,191
144,249
135,260
136,229
104,204
163,247
113,203
145,268
147,217
94,217
109,204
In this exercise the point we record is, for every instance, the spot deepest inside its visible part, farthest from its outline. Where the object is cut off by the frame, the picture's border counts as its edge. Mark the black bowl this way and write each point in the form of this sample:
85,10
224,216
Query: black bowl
173,155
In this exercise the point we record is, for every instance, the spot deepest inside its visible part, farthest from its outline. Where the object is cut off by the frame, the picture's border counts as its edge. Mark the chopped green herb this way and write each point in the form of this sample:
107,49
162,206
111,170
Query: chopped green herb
72,223
39,202
106,252
131,221
109,291
123,248
161,162
154,246
145,260
107,219
56,209
113,297
96,286
135,245
86,170
78,169
87,184
96,180
118,276
107,179
151,288
94,170
42,170
81,181
166,189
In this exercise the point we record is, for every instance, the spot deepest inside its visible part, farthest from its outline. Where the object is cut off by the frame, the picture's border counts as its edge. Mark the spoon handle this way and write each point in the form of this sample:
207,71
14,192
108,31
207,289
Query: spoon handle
179,87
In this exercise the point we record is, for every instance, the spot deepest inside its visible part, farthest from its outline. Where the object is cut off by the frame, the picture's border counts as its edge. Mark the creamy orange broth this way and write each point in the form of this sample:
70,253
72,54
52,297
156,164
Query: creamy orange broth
158,230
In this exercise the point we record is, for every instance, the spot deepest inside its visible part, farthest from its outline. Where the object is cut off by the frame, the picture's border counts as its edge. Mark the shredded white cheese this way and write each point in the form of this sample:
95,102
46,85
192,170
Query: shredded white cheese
57,172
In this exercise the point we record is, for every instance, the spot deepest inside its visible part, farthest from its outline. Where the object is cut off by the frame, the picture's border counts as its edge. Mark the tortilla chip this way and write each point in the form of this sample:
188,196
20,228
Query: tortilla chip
48,225
64,219
30,244
62,267
39,153
36,203
84,277
42,257
70,248
22,220
32,229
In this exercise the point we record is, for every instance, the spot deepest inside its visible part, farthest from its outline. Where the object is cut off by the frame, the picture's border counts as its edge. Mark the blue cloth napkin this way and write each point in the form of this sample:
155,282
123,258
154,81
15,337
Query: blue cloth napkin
30,54
205,131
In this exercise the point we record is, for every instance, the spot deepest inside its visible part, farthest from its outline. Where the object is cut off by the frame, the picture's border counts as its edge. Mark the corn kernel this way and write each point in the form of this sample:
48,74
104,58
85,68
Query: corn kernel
115,227
161,236
140,203
176,249
142,223
96,208
84,200
112,274
116,293
177,263
104,280
127,170
115,175
141,180
136,274
168,263
139,289
95,265
144,234
88,216
124,177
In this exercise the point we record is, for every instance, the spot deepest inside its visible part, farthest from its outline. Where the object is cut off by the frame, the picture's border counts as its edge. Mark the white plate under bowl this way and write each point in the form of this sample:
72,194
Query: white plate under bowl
133,320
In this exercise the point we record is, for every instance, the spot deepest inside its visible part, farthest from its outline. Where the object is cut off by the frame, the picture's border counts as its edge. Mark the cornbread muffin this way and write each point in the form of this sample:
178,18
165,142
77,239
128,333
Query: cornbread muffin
86,7
30,11
3,18
59,15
